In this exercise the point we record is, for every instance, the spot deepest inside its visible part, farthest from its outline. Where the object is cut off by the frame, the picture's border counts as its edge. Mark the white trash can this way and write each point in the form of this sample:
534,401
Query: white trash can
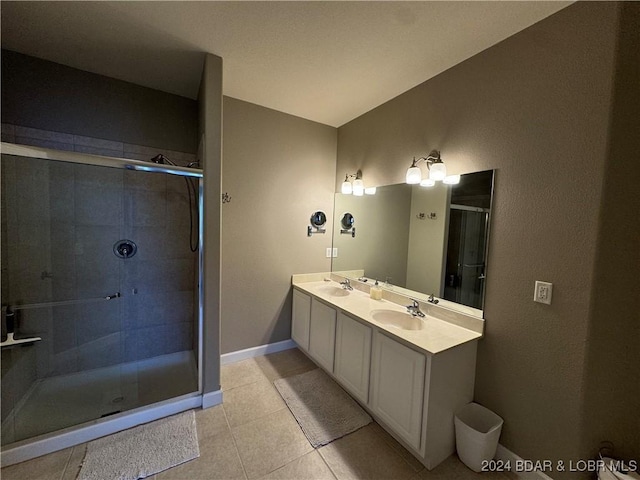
610,469
477,433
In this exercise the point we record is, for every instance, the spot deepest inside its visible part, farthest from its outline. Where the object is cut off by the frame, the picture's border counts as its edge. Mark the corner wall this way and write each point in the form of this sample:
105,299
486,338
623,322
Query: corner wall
210,153
278,170
612,375
535,107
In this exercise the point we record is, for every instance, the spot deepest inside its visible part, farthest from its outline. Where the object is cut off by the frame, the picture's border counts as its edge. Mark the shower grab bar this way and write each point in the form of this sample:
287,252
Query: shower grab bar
63,302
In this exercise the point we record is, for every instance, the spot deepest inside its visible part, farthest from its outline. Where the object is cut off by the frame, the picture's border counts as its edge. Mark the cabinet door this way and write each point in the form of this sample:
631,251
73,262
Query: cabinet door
397,390
353,356
322,334
300,319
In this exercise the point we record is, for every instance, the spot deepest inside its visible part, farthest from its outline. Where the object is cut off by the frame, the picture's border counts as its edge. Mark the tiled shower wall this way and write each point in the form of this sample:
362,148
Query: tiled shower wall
60,222
96,146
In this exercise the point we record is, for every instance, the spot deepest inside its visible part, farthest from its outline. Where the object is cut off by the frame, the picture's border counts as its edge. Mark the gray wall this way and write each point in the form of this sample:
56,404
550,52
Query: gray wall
278,169
210,152
612,376
48,96
537,108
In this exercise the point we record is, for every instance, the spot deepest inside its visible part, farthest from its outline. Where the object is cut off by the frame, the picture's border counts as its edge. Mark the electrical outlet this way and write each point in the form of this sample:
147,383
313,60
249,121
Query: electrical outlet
335,252
543,292
328,252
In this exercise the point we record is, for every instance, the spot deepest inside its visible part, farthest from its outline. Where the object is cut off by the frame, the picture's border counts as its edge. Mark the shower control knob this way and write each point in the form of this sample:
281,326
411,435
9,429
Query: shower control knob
125,249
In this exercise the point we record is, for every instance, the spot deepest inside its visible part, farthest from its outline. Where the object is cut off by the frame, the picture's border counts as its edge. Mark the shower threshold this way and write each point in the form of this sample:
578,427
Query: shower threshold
63,401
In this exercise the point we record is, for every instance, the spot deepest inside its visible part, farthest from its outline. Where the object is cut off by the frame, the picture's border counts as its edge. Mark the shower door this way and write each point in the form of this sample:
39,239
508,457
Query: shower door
99,293
465,266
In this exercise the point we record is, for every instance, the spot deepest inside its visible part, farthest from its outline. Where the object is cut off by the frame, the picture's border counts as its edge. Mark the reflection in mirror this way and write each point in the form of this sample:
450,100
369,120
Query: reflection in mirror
347,221
421,240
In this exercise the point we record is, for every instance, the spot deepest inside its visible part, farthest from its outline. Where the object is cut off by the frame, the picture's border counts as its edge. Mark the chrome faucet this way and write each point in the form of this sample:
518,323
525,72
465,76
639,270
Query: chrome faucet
432,299
414,309
346,284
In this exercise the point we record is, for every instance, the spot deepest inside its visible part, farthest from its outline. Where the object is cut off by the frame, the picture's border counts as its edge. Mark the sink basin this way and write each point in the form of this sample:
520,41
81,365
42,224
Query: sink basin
397,319
333,291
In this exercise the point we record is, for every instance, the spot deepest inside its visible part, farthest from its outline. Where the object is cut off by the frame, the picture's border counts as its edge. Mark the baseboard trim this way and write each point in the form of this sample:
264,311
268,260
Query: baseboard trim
506,455
239,355
211,399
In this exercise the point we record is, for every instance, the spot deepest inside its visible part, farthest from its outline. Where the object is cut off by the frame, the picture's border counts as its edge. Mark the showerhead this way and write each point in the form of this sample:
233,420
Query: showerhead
161,160
192,190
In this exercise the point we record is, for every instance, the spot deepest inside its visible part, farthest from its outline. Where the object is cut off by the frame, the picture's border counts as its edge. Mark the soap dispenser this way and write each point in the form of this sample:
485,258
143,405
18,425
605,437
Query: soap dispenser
375,291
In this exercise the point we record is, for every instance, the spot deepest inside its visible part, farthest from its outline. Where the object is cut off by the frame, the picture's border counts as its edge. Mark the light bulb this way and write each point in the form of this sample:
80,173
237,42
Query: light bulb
370,191
346,187
414,175
358,187
437,171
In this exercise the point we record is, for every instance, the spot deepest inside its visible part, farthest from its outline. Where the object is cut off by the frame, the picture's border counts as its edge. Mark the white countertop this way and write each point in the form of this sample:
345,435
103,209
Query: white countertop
437,335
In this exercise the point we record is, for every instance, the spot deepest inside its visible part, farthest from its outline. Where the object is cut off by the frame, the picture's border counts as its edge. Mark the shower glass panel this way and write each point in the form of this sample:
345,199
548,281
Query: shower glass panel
107,332
466,248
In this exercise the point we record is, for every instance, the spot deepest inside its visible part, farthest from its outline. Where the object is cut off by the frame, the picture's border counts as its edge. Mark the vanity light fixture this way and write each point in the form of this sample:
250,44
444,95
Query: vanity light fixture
437,171
357,187
347,188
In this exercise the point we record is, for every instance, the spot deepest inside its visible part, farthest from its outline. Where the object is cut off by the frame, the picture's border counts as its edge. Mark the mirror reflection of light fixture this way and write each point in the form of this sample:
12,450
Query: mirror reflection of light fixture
437,171
356,188
451,180
427,182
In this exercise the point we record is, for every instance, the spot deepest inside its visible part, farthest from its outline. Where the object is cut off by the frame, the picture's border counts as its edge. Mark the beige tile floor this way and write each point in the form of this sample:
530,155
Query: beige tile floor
254,436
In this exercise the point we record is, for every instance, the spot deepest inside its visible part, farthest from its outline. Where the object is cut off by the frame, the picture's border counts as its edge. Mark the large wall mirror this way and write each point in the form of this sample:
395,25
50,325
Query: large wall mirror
421,241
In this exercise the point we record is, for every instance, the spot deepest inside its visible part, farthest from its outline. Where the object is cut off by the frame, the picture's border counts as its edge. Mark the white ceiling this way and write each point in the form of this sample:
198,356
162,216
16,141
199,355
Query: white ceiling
328,61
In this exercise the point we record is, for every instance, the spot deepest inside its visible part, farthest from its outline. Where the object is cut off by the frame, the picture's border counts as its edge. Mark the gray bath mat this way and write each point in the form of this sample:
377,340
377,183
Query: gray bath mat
142,451
324,411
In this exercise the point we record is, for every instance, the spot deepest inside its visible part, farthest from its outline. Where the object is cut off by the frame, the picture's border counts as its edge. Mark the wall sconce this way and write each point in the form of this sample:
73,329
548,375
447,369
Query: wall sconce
437,171
357,187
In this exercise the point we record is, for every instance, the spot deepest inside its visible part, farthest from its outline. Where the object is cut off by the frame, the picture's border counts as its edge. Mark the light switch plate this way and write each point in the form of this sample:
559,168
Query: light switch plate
328,252
543,292
335,252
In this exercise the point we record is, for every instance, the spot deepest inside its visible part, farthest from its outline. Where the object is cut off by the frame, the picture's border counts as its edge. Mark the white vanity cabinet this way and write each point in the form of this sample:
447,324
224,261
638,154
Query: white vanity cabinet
412,391
353,356
322,334
397,387
300,319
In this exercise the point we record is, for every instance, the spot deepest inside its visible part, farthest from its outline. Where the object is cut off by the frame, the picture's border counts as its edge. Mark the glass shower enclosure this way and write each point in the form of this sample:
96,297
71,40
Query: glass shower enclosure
100,290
